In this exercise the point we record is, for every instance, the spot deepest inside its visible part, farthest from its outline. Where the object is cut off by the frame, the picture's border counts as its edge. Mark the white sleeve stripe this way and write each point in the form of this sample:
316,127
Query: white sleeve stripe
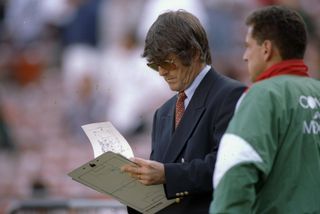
240,100
232,151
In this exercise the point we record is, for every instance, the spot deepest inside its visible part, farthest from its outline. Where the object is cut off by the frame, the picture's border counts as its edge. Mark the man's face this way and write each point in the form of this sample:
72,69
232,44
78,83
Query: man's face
178,77
254,56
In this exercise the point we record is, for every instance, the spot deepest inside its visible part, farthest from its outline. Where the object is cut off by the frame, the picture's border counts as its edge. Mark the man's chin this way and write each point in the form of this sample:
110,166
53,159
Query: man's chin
173,88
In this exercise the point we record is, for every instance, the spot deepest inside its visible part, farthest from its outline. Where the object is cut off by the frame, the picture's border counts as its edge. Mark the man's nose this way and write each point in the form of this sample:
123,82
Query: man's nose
244,57
162,71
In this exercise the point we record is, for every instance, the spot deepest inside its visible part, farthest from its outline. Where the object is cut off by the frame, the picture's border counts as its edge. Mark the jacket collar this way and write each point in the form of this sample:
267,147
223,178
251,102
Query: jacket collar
287,67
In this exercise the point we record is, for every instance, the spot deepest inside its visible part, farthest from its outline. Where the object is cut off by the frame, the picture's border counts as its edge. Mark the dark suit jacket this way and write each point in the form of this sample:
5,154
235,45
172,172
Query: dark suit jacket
189,152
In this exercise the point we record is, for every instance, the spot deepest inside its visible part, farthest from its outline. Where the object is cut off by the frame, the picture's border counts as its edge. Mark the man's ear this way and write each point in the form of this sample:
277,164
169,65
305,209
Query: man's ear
268,50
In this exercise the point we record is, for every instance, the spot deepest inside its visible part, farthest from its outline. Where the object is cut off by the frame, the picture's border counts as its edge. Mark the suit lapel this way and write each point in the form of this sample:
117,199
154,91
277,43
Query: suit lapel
190,119
165,131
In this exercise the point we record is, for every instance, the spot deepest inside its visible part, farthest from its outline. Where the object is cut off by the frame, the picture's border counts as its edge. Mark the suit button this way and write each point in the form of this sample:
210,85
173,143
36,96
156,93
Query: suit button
186,193
177,194
178,200
182,193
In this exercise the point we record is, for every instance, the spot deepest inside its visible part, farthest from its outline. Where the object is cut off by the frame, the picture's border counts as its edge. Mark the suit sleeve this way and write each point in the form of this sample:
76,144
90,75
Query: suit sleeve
195,177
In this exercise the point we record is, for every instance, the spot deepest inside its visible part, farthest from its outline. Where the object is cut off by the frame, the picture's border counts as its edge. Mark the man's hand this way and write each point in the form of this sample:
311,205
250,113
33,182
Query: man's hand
147,172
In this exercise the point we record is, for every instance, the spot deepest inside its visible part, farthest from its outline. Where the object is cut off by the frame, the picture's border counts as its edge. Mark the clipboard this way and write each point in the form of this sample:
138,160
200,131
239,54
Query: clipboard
103,174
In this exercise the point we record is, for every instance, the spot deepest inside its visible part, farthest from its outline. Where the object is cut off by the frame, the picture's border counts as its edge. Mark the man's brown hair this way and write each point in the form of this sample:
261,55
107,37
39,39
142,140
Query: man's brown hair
177,32
283,27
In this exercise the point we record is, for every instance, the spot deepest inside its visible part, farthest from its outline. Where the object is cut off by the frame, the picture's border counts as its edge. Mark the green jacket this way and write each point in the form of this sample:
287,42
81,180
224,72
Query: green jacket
269,157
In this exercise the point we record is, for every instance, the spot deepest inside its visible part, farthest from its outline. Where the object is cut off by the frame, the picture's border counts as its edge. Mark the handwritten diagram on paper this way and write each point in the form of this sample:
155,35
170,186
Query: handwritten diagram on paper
104,137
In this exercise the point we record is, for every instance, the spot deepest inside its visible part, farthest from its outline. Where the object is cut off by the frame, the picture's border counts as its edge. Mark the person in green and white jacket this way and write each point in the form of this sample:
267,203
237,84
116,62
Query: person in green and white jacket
269,157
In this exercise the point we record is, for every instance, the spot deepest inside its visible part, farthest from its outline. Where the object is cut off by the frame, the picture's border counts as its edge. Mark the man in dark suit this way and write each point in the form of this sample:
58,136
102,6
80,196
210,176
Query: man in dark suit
184,148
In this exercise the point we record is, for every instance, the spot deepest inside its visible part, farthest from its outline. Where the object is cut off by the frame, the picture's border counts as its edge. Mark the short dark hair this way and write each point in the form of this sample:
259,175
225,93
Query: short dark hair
282,26
177,32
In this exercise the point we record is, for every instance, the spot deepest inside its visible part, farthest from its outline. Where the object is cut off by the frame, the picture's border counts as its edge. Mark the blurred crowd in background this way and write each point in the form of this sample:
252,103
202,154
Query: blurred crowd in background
66,63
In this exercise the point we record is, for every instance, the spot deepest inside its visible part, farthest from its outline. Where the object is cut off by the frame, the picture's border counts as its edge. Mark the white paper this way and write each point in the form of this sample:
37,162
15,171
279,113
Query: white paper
104,137
104,174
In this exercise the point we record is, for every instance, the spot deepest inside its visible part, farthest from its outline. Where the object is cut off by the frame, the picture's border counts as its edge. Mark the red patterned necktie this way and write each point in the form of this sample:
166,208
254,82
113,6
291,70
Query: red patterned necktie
180,107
